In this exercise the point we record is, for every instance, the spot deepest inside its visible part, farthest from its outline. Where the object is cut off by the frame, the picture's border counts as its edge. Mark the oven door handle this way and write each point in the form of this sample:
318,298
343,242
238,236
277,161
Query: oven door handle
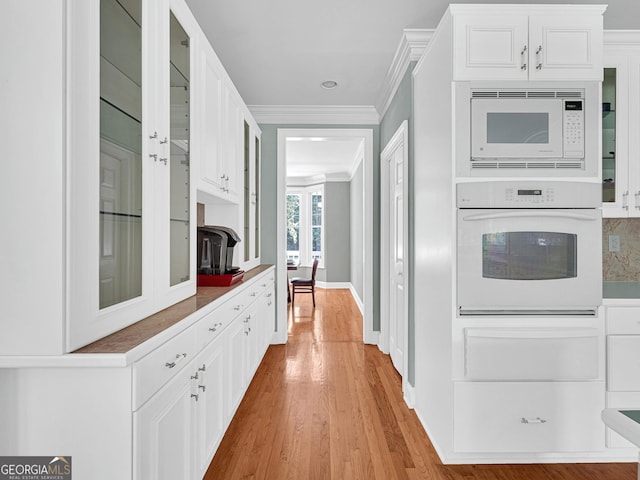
529,214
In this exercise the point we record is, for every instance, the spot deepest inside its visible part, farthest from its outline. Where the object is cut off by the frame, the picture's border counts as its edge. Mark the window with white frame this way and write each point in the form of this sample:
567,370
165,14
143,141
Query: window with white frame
305,224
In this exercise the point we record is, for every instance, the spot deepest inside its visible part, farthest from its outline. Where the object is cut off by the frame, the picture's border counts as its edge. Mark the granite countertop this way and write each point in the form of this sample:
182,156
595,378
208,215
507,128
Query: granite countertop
132,336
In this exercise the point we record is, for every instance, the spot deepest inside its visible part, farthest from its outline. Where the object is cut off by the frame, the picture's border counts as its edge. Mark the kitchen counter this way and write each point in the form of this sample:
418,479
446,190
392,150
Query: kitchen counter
125,346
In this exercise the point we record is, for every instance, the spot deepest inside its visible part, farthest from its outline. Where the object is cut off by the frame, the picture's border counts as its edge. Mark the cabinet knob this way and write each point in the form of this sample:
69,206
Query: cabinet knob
162,142
155,135
202,387
202,368
194,377
193,395
213,329
154,156
170,364
163,160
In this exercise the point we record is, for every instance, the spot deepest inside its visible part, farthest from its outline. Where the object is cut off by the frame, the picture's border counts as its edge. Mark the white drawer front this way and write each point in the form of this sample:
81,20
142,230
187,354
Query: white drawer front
623,320
209,327
531,353
528,416
158,367
623,366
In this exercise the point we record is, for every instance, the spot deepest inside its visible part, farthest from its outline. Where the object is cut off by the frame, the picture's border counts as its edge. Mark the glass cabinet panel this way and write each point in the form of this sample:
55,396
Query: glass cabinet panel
247,193
256,197
120,152
179,153
609,135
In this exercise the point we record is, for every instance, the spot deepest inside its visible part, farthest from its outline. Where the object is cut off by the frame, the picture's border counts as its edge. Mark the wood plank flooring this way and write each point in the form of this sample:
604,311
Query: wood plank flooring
326,406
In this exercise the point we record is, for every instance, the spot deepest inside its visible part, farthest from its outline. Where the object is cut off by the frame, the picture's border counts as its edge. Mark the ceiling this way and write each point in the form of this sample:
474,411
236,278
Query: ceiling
278,52
331,158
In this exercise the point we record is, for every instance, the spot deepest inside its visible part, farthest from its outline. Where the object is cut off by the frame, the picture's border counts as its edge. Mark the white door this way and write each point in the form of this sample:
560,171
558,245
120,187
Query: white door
394,157
396,268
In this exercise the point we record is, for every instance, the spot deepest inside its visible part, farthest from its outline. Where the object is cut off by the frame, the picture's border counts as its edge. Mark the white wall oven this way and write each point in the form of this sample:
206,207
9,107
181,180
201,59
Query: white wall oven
529,248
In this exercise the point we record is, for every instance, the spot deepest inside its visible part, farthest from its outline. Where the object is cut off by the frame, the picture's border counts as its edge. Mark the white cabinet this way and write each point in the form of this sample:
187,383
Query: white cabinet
220,136
623,362
160,415
251,237
130,186
163,432
212,372
528,416
621,131
513,43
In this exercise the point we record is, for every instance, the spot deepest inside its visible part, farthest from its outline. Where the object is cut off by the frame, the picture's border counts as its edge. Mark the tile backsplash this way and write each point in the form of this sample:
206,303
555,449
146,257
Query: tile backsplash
622,265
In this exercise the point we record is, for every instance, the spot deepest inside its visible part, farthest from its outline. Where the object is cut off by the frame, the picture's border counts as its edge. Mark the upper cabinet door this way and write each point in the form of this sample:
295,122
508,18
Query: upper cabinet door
130,215
565,47
520,42
491,47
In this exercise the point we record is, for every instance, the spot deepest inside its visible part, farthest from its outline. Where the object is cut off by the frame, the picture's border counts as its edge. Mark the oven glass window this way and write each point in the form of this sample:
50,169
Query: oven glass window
517,127
529,255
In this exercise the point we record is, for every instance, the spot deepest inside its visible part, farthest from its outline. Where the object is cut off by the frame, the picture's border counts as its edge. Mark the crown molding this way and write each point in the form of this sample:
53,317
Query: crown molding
413,43
315,114
622,37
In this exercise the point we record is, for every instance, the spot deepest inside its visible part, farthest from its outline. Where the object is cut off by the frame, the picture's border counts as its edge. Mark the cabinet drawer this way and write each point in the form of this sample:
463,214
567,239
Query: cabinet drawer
158,367
623,366
622,320
531,353
215,322
528,416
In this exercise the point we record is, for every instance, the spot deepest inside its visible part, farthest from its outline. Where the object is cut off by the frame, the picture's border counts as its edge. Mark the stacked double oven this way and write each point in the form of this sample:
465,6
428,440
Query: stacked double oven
529,262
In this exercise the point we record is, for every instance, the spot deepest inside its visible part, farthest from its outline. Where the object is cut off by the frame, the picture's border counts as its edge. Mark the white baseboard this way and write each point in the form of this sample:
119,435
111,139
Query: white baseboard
409,394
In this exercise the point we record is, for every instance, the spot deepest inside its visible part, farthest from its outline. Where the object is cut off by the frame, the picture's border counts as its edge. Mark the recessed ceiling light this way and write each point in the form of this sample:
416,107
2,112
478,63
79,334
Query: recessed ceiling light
329,84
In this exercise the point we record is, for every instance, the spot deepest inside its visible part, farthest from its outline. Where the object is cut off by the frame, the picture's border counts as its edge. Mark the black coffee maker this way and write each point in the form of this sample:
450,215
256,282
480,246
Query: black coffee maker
215,250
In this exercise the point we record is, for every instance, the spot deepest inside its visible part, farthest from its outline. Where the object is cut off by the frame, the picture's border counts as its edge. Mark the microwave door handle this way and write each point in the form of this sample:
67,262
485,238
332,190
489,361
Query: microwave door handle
526,214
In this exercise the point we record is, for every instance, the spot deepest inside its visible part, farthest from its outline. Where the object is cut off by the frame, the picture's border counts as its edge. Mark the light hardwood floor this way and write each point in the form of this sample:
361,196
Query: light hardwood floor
326,406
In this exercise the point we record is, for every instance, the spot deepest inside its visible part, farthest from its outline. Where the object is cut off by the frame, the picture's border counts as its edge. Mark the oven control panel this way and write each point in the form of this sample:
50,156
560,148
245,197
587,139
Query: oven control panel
529,194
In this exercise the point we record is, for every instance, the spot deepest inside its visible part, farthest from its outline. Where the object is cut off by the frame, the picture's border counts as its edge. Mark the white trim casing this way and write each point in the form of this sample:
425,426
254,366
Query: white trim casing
369,336
400,137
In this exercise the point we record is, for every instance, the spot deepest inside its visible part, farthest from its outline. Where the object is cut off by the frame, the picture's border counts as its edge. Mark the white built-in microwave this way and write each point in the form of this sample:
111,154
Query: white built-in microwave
543,128
530,131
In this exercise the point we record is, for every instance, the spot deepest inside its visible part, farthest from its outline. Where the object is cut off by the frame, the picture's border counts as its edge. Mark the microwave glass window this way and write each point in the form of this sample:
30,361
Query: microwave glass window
518,127
529,255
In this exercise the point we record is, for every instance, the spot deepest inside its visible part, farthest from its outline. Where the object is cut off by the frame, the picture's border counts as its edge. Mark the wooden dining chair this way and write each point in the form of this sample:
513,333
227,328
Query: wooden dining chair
305,285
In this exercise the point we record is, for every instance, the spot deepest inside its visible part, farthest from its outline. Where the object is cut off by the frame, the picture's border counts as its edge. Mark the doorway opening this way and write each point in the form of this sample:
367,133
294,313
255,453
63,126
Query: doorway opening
361,258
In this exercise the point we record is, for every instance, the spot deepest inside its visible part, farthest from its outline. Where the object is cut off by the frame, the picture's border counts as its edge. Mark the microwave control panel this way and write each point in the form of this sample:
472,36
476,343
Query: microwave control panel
573,128
528,194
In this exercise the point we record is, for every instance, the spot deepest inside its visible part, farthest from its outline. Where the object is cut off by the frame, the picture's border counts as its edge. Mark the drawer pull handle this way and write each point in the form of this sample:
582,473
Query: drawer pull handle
179,356
237,307
263,285
213,329
253,294
203,387
193,395
533,420
269,295
269,304
194,377
170,364
202,368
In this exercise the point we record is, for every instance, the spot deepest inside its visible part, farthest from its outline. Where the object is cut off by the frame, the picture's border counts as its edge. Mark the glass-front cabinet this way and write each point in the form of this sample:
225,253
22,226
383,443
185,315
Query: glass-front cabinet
130,210
621,171
620,132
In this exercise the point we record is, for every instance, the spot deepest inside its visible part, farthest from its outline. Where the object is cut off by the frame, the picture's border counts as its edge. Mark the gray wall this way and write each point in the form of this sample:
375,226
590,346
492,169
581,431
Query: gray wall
337,236
401,109
268,183
357,231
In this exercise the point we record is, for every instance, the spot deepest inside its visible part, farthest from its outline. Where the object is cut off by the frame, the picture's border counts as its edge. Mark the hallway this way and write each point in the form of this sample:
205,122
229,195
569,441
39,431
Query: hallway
325,406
